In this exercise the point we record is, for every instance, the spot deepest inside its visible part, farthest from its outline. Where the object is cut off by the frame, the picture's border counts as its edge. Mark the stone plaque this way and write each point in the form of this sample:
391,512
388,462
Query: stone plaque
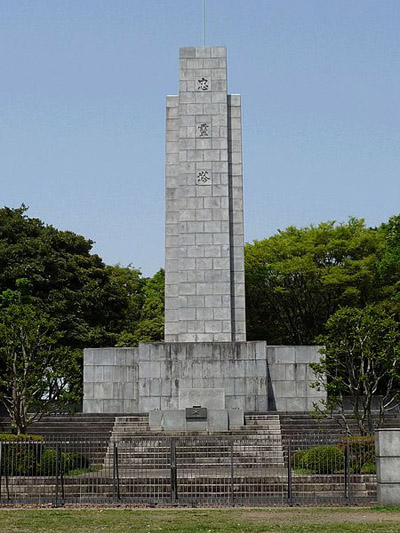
196,413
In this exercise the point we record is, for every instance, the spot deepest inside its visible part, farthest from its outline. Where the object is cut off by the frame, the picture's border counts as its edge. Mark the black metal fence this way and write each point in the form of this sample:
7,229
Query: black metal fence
189,470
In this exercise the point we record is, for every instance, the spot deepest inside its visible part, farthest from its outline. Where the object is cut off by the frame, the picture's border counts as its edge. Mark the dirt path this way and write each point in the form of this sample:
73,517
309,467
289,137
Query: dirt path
316,516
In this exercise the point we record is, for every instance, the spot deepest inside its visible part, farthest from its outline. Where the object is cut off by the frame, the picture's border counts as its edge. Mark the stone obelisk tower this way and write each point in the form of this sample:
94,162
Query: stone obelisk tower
205,360
204,293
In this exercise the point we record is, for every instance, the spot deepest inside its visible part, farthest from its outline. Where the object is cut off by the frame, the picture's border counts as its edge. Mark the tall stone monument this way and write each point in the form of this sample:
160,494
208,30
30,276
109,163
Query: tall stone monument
204,265
205,359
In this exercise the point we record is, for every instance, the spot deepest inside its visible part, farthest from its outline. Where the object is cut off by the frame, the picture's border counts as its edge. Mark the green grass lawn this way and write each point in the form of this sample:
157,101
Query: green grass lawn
202,520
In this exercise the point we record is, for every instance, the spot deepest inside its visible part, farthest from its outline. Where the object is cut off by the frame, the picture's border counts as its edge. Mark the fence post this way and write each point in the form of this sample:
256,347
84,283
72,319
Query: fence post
1,466
174,477
116,490
57,471
347,470
6,453
289,473
232,478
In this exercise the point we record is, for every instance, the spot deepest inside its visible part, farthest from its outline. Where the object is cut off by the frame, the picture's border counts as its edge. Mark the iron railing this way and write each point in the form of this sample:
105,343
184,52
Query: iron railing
219,470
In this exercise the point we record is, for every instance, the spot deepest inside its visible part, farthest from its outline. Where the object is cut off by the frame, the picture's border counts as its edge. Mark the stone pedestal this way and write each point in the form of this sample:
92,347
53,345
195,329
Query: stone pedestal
175,420
388,465
249,376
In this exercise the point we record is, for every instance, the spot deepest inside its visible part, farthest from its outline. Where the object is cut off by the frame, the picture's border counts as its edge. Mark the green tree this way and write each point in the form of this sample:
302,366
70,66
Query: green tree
128,284
361,359
90,302
150,325
297,279
65,279
37,371
389,266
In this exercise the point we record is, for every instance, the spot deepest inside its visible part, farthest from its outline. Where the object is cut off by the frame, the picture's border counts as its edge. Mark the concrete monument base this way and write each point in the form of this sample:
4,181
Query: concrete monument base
387,443
177,420
248,376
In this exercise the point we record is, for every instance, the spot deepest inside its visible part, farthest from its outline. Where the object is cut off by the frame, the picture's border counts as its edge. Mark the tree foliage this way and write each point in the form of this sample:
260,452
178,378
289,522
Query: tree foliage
37,371
297,279
389,265
63,277
88,303
149,326
360,359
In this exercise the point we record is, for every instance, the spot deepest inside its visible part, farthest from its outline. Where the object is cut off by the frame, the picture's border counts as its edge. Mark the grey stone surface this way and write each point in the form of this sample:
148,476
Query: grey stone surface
211,398
155,419
196,425
217,420
290,378
202,366
214,375
236,418
388,469
175,420
388,493
110,380
387,445
204,266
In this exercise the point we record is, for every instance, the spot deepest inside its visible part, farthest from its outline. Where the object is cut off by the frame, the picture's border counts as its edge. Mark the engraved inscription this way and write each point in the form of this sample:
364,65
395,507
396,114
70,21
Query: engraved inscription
203,177
203,129
203,85
196,413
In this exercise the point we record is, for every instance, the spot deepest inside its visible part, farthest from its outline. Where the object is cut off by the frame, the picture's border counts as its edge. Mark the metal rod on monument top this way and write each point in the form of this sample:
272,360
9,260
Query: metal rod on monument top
204,22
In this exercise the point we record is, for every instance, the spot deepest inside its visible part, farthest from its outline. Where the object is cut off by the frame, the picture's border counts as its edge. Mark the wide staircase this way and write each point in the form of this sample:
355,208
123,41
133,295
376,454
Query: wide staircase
84,433
244,464
297,428
258,444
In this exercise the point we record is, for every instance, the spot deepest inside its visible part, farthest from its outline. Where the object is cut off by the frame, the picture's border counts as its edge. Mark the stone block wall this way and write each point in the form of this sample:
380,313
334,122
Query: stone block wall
110,380
254,377
236,217
238,368
204,266
290,377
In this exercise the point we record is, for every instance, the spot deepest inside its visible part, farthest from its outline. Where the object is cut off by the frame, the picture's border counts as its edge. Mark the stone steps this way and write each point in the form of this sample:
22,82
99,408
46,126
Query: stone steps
87,434
272,436
159,487
257,444
82,426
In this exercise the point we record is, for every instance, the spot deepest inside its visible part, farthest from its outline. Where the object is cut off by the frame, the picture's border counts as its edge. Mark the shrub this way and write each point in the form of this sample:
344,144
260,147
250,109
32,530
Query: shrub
68,462
47,466
361,452
324,459
368,468
48,463
358,445
17,461
20,454
11,437
23,455
298,459
78,461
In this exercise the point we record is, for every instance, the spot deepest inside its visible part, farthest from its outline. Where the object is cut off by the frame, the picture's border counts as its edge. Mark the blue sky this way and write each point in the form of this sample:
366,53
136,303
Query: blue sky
82,112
